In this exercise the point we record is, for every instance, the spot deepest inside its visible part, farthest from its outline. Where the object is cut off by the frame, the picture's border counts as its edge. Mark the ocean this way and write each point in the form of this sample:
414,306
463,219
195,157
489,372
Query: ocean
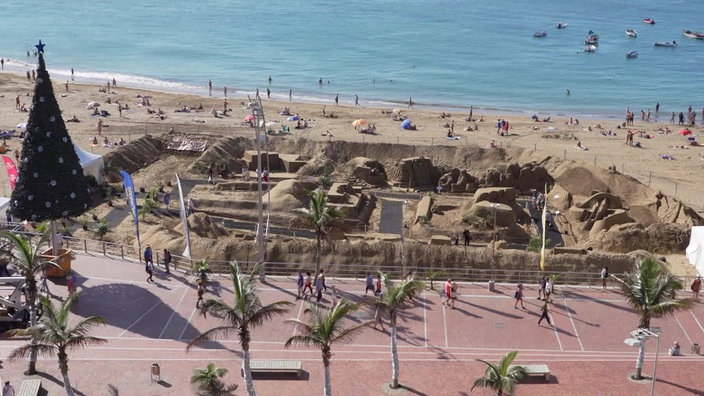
444,54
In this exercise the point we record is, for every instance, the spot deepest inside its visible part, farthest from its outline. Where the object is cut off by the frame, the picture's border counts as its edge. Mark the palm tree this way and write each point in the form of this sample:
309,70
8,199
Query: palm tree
53,335
245,314
391,303
209,382
652,292
319,215
323,329
501,377
28,261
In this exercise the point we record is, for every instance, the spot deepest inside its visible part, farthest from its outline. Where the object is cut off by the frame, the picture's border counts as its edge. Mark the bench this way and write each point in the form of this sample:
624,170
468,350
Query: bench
275,366
535,369
30,387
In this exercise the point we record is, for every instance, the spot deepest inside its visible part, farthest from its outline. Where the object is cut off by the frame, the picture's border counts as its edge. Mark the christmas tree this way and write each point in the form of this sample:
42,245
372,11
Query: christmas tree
51,184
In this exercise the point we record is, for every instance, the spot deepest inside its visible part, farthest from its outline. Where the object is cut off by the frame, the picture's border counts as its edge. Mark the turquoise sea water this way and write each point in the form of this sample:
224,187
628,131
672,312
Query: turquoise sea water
441,53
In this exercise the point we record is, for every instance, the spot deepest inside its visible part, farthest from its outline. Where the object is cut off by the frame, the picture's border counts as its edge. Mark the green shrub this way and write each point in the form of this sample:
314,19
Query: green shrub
102,229
470,219
535,244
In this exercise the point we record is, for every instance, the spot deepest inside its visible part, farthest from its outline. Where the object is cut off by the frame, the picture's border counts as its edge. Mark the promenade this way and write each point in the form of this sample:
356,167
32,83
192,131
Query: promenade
153,323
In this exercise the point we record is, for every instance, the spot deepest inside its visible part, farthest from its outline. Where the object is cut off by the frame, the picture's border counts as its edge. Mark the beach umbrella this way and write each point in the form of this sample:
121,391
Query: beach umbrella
359,122
92,105
685,132
406,123
396,111
248,118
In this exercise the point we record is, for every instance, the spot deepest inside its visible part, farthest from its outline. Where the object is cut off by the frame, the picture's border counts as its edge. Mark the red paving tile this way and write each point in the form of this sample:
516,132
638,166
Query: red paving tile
149,323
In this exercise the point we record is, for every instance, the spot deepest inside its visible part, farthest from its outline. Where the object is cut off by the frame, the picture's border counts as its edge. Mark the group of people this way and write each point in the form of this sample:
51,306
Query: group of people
306,283
148,257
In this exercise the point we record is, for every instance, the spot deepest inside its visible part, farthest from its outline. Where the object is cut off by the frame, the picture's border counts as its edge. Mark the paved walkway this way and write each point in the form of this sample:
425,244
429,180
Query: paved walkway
152,323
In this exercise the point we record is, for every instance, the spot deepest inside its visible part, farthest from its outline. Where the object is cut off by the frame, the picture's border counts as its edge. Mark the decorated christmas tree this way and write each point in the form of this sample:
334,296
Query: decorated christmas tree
51,184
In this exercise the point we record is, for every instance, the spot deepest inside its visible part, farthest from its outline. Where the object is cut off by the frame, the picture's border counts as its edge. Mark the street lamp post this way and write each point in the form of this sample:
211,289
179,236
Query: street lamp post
260,133
639,337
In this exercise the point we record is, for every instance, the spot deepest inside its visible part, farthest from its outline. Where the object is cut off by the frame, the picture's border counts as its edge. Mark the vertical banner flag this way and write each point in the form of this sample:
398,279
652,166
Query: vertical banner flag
132,202
11,171
544,230
184,219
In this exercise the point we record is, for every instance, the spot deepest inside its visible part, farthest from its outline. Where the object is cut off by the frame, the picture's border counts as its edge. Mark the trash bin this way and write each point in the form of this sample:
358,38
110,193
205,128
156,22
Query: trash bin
491,286
695,349
156,372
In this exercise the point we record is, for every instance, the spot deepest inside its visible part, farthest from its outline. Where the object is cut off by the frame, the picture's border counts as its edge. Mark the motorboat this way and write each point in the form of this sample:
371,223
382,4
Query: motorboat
590,48
694,35
592,39
632,54
561,25
649,21
672,43
631,33
540,34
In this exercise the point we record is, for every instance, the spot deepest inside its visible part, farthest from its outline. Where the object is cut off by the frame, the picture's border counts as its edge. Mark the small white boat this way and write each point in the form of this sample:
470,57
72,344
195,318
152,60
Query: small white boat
542,33
631,33
672,43
694,35
632,54
590,48
649,21
561,25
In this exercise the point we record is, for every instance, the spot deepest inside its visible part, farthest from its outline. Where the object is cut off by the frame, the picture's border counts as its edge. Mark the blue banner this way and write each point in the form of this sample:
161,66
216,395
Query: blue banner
131,201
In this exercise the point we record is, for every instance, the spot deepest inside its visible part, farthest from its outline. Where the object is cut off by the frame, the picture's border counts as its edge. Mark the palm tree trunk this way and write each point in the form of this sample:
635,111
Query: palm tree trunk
63,367
327,386
32,366
394,354
248,383
318,246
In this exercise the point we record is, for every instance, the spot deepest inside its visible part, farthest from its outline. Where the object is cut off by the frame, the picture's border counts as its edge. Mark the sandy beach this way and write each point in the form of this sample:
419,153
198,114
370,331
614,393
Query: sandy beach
675,176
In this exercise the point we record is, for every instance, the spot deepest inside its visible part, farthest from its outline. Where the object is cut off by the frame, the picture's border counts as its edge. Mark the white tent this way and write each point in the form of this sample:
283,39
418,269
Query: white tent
695,250
92,163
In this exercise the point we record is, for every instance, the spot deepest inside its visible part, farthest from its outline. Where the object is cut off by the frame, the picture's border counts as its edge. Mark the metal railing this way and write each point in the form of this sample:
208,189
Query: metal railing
344,270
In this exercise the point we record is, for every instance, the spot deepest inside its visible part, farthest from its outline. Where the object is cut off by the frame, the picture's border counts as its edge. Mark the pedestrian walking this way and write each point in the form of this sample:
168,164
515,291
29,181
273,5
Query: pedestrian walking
307,285
321,278
545,314
299,284
200,291
369,284
378,291
696,287
604,275
541,286
467,236
548,290
447,288
70,284
149,268
148,256
518,295
167,260
319,286
8,389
